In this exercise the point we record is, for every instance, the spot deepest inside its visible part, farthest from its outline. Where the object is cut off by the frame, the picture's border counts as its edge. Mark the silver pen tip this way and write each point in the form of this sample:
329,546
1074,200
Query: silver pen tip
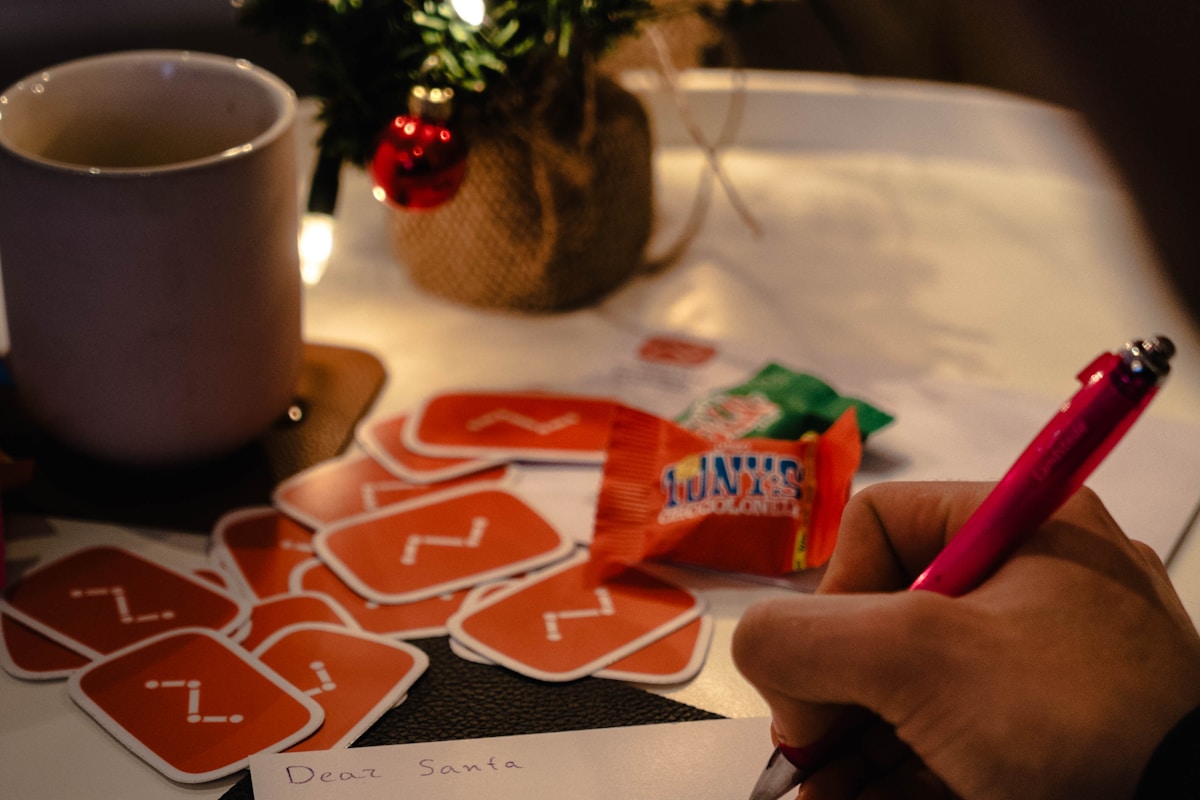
778,778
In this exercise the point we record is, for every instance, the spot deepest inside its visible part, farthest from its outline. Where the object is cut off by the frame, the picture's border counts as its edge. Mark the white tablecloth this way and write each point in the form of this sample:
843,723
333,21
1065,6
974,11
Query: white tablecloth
950,254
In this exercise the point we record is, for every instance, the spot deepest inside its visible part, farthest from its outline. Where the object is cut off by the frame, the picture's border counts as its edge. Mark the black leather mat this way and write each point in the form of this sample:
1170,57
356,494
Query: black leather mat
457,699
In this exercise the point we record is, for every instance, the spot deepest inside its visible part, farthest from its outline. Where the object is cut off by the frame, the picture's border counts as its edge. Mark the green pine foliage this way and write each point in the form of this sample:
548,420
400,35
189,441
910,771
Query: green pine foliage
364,56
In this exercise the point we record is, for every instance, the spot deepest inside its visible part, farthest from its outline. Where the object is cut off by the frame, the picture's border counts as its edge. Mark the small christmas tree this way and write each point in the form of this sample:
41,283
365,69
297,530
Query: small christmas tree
531,188
365,56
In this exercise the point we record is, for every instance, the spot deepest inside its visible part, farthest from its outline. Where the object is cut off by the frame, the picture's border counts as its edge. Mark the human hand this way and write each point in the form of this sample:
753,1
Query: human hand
1055,678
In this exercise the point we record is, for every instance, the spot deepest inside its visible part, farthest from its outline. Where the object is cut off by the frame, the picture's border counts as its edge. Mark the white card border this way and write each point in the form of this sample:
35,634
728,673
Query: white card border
392,698
10,666
455,626
49,631
322,548
222,554
144,751
297,577
366,436
411,437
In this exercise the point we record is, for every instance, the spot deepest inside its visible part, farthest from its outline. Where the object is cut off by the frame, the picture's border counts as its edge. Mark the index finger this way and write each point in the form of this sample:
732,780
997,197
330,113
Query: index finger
891,531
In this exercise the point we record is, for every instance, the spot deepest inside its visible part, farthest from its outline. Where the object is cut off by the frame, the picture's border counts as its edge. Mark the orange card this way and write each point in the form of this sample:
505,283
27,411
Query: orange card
348,486
404,621
27,654
439,543
194,705
675,658
533,426
100,599
213,575
287,610
354,676
259,547
384,440
472,601
560,624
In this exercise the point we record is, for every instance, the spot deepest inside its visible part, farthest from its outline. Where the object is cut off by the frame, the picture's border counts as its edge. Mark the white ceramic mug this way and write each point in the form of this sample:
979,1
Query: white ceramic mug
148,221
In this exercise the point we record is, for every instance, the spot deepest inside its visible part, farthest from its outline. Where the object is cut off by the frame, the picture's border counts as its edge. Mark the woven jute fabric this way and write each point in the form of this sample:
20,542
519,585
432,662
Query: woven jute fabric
554,212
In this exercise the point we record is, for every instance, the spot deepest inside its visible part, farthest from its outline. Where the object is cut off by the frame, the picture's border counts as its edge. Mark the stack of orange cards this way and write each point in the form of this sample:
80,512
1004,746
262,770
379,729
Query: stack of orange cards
153,654
293,637
439,542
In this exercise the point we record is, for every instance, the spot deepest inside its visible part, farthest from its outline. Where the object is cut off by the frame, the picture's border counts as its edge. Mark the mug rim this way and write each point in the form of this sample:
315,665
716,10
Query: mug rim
284,118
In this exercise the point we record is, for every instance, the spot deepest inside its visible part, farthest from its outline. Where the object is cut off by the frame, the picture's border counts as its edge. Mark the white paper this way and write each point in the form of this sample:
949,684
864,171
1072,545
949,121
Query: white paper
947,430
710,760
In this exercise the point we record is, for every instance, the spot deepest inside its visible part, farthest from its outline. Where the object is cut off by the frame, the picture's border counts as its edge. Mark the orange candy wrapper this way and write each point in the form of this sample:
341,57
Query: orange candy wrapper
756,506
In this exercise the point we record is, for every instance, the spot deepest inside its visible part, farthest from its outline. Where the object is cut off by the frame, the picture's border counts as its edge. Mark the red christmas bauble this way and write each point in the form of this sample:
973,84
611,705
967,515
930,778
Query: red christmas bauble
418,163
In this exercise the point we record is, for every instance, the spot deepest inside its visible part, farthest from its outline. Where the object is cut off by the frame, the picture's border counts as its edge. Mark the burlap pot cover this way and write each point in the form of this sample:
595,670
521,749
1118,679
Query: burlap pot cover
546,218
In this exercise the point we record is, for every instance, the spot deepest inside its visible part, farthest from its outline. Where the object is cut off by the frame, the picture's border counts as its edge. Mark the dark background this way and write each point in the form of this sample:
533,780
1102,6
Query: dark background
1129,66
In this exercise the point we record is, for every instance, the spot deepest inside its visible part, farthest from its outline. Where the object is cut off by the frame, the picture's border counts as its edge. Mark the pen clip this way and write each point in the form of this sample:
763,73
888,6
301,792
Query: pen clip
1100,364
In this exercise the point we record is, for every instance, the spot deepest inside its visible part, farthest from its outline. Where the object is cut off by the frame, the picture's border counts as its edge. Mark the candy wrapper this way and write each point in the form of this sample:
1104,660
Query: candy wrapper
758,506
777,403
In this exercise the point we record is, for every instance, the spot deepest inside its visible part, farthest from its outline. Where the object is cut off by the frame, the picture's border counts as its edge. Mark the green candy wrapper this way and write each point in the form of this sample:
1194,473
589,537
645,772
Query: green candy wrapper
777,403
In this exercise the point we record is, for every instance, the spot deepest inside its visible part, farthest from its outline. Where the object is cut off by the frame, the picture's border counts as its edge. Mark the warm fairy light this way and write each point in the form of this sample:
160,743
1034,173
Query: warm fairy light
471,12
316,243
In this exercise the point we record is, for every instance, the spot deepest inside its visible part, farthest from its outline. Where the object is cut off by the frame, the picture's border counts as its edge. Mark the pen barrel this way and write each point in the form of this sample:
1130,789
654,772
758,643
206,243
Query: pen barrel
1116,389
1052,468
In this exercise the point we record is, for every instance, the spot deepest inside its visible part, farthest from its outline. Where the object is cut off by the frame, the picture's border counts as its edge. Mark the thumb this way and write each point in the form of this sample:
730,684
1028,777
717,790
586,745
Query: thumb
810,655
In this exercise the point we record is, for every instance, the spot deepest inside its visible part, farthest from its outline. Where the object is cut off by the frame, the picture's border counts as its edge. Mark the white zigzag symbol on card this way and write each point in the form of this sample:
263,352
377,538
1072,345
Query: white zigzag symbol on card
121,603
521,421
322,673
371,491
552,618
415,540
193,695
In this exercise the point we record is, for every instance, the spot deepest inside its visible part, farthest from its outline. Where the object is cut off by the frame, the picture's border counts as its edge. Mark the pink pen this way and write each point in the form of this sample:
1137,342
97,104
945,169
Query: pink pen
1116,388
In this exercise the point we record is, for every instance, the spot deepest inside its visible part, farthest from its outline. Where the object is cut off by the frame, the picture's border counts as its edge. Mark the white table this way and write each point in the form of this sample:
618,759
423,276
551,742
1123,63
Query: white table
951,254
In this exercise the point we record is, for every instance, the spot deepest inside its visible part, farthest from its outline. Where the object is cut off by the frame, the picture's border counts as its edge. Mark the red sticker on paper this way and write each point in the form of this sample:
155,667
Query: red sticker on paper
31,656
681,352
